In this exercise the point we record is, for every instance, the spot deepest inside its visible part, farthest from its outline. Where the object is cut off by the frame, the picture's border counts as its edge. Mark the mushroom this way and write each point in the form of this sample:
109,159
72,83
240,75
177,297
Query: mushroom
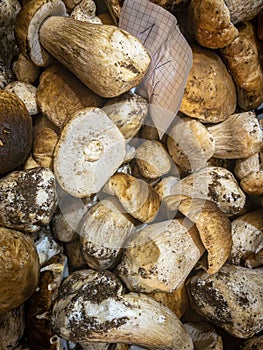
92,307
231,299
252,183
241,11
30,163
27,199
46,246
239,136
244,166
19,268
242,59
247,236
70,4
27,93
214,228
152,159
204,336
24,70
122,61
160,256
211,22
90,149
104,231
86,11
6,75
255,343
39,305
137,197
60,94
128,112
45,140
211,183
12,327
190,144
210,94
15,132
75,258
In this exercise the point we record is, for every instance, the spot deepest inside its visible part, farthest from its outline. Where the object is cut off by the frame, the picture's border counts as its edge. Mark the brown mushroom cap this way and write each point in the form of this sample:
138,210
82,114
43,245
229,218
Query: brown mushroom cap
210,94
15,132
19,268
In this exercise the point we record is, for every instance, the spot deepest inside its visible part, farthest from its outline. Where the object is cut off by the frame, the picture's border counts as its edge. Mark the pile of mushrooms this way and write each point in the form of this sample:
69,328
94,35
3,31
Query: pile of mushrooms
110,236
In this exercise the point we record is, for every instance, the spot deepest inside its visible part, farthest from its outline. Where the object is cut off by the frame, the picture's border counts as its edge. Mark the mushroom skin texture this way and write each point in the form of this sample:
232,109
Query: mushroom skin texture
12,327
204,336
137,197
44,143
28,199
15,132
243,11
19,268
247,236
252,183
92,307
210,93
211,22
24,70
231,299
160,256
243,62
104,231
89,151
244,166
255,343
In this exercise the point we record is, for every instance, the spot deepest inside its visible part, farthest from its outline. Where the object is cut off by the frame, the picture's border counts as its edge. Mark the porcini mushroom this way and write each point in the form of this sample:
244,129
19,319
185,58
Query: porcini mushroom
160,256
90,149
95,302
12,327
45,140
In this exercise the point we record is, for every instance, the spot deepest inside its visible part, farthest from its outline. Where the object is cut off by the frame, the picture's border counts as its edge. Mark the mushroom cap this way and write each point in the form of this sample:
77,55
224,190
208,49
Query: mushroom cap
252,183
28,23
210,94
15,132
90,149
19,268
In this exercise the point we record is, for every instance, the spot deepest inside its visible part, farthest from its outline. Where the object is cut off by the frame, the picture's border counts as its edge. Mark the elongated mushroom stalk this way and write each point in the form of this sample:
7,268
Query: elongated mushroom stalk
39,305
89,151
239,136
120,65
204,336
19,268
212,183
247,236
12,327
190,144
45,140
137,197
214,228
210,93
92,307
152,159
248,77
154,261
128,112
231,299
103,234
60,94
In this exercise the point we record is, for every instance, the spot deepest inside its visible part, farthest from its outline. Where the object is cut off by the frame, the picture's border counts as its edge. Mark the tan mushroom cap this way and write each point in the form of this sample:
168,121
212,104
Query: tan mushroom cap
211,23
19,267
137,197
45,140
28,23
190,144
252,183
24,70
214,228
210,94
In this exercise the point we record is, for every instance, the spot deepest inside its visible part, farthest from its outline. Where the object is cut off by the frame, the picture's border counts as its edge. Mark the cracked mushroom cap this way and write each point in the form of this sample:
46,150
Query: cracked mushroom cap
15,132
210,93
160,256
89,151
92,307
214,228
231,299
19,268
